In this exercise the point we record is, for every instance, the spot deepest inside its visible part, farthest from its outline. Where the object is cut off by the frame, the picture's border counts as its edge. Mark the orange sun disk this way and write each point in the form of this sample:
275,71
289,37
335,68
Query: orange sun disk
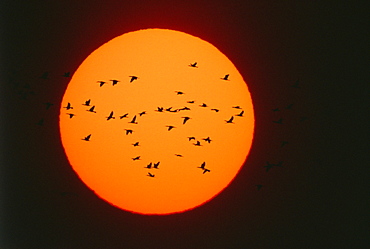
173,69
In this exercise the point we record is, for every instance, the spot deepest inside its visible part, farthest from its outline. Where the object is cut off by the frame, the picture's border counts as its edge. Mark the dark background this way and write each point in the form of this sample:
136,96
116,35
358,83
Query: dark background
316,200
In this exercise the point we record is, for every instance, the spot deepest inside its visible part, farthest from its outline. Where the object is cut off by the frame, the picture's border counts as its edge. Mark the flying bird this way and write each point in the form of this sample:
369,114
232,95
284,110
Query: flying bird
48,105
136,158
92,109
67,74
280,121
191,138
184,109
237,107
203,105
149,166
197,143
142,113
169,109
185,119
276,110
114,82
216,110
133,121
202,165
101,83
68,106
170,127
41,122
133,78
135,144
44,75
123,116
268,166
178,155
296,84
176,110
289,106
110,116
156,165
71,115
87,102
230,121
208,139
150,174
206,170
283,143
159,109
193,64
87,138
259,186
128,131
226,77
179,92
191,101
240,114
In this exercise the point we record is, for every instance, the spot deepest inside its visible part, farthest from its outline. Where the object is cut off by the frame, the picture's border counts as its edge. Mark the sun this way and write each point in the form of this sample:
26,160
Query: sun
156,121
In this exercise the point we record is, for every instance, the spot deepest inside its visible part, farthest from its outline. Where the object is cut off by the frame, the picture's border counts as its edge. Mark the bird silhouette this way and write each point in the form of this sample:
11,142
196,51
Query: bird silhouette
68,106
170,127
276,110
87,138
176,110
185,119
230,121
114,82
191,138
123,116
296,84
44,75
133,78
226,77
101,83
197,143
136,158
206,170
268,166
41,122
110,116
67,74
184,109
142,113
150,174
92,109
193,64
202,165
178,155
87,102
240,114
237,107
280,121
179,92
259,186
191,102
155,166
133,121
135,144
216,110
149,166
203,105
208,139
159,109
169,109
283,143
128,131
48,105
71,115
288,107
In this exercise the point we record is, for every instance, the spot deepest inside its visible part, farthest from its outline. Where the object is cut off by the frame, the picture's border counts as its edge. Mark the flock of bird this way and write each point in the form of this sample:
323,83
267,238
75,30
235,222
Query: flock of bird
134,118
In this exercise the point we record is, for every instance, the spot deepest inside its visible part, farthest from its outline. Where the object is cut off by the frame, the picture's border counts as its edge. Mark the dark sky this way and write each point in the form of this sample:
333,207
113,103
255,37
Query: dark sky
316,200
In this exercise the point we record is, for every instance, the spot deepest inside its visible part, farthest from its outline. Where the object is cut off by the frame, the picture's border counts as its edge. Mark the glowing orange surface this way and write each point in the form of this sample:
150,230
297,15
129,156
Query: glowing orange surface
161,60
